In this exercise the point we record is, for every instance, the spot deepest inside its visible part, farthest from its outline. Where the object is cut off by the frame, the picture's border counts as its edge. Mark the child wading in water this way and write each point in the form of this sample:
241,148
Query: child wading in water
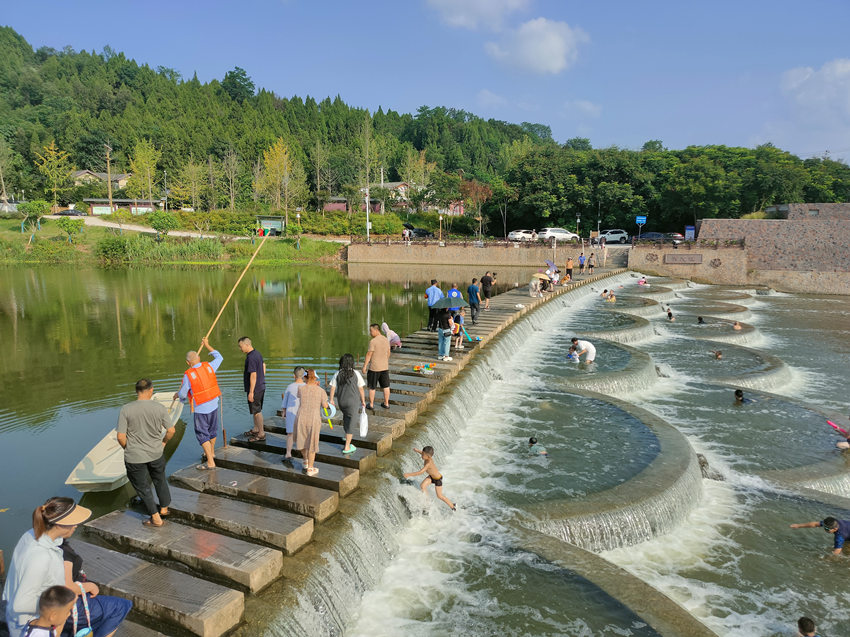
434,475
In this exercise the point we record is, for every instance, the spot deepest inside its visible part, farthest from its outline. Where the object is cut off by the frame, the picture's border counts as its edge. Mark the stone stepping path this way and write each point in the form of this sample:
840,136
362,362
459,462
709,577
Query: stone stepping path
210,554
363,459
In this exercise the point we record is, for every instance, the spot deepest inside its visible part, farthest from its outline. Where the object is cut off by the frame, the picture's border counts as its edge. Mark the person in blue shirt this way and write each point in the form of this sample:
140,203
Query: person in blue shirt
840,530
474,296
454,293
433,294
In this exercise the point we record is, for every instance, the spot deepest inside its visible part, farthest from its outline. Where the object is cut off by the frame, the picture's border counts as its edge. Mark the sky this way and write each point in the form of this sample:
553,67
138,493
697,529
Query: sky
618,72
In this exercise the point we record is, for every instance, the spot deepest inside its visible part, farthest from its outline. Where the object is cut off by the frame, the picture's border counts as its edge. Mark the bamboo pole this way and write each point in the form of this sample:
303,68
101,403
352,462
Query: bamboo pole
229,296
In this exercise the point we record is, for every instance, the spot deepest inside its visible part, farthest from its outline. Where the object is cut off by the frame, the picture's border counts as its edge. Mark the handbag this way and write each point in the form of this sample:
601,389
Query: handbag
364,422
83,632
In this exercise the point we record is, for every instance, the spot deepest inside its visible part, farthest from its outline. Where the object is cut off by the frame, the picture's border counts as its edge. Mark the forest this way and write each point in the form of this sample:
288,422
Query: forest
228,145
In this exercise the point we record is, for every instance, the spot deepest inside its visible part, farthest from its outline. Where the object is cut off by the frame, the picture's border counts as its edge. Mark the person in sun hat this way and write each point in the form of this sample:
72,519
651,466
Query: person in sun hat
42,558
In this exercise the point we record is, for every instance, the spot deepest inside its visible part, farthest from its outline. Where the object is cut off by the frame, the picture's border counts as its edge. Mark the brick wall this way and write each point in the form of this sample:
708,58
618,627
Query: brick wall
727,266
488,257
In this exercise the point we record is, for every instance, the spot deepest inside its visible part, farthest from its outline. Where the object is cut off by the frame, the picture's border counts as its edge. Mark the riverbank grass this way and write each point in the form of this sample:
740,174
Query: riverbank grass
106,246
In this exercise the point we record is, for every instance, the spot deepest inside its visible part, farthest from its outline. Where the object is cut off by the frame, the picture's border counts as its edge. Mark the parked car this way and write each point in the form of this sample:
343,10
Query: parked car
652,236
614,236
520,235
557,233
70,212
675,237
419,233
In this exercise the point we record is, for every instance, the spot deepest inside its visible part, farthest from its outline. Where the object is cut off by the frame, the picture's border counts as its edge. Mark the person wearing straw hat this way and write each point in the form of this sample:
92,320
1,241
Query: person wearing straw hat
200,386
42,558
140,426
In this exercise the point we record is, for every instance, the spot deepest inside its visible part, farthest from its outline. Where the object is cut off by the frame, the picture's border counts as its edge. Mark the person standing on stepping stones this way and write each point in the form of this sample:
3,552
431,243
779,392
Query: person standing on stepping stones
140,426
289,407
474,300
487,283
377,363
433,294
347,389
308,422
254,381
200,389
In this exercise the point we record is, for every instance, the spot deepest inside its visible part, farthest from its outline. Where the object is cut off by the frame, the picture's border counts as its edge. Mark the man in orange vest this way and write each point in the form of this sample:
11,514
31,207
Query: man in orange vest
200,389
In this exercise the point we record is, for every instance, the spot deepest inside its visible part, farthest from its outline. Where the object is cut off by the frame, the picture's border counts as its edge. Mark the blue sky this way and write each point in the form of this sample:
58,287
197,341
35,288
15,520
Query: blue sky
619,72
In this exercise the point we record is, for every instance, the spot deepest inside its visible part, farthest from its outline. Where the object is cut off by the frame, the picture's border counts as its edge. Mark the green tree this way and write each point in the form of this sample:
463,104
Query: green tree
143,170
32,212
503,195
5,168
163,222
578,143
476,194
56,167
70,226
238,85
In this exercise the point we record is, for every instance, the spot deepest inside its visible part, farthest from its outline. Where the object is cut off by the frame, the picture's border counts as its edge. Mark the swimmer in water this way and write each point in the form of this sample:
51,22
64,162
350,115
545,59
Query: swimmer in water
535,449
670,316
739,398
571,356
583,347
434,476
736,325
700,321
806,627
717,354
604,294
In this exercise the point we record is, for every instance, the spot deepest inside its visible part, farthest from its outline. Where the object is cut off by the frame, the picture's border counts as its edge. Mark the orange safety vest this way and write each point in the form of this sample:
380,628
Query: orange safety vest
203,386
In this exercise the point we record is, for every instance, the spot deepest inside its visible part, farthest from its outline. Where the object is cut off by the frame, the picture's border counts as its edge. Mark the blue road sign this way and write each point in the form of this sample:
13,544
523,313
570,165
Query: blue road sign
640,219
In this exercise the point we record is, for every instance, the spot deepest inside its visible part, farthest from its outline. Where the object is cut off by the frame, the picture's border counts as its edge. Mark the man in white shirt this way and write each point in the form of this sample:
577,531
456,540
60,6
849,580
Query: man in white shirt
583,347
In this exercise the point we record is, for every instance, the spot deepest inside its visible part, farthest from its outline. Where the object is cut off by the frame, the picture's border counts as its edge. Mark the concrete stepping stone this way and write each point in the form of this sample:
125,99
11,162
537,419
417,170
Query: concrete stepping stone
303,499
363,459
417,379
169,596
407,413
332,477
214,555
379,441
280,529
132,629
401,385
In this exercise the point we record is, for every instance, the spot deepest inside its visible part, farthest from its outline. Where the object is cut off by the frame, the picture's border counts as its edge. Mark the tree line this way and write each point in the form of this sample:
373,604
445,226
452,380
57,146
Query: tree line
228,145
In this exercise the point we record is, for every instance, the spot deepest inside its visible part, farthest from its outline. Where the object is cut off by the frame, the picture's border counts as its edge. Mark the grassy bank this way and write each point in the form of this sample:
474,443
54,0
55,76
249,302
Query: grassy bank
105,246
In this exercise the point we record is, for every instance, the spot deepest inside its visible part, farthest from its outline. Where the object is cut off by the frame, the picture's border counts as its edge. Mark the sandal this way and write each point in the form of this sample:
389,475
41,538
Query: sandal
254,437
351,449
249,433
150,522
203,467
312,471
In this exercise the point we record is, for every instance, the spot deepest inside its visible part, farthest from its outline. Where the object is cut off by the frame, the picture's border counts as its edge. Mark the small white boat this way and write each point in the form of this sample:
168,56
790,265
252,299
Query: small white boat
103,467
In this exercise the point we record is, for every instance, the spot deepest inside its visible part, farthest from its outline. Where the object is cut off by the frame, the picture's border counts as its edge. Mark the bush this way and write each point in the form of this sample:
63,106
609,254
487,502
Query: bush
53,250
111,249
163,221
82,206
236,223
145,249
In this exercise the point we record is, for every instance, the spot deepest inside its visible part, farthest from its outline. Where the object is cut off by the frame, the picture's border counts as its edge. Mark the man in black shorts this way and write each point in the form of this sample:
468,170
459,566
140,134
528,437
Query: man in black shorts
254,381
376,366
487,282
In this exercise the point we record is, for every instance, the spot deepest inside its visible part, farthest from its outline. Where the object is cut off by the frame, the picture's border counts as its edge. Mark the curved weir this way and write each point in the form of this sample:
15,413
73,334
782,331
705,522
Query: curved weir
718,309
650,504
638,374
637,306
351,556
771,374
639,330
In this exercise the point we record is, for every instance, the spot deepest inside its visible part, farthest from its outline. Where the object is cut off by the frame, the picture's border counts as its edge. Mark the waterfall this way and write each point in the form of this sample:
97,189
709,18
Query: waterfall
638,375
366,541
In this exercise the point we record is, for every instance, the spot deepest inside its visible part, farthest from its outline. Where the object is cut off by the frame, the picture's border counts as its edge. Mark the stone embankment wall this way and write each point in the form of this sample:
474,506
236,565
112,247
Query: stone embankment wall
793,255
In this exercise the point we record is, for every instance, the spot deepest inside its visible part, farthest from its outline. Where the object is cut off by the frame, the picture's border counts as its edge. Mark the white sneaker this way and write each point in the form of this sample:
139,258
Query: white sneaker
447,358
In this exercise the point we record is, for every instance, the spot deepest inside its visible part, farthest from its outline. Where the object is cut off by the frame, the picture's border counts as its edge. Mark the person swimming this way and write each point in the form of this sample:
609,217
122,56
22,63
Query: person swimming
700,321
535,449
717,354
740,399
736,325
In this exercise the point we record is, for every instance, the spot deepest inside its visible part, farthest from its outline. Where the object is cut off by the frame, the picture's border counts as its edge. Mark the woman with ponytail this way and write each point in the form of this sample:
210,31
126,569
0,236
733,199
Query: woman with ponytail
347,389
308,422
42,558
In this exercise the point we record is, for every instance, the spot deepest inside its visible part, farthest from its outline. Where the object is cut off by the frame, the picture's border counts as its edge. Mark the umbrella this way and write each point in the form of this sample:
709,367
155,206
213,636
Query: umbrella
551,265
542,275
455,301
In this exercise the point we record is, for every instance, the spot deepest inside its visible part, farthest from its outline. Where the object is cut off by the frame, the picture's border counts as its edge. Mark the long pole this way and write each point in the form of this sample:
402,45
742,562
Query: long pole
109,177
235,285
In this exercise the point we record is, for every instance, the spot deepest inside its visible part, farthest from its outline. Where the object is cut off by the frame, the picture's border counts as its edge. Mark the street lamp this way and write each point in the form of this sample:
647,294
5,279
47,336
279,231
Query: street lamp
298,221
578,221
441,229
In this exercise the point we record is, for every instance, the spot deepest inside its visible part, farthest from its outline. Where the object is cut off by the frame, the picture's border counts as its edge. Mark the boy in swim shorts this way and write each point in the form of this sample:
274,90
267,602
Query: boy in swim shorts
434,476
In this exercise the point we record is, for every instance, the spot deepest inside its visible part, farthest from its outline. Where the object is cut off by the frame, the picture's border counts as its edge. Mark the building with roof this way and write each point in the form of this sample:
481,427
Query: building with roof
81,177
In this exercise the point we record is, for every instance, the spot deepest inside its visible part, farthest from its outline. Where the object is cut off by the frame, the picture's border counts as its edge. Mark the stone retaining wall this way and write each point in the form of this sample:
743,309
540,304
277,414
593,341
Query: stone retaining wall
488,257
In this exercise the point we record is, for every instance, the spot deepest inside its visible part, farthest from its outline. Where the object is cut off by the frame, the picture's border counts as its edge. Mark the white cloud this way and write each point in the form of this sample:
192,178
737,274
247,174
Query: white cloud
540,46
815,114
489,98
582,108
471,14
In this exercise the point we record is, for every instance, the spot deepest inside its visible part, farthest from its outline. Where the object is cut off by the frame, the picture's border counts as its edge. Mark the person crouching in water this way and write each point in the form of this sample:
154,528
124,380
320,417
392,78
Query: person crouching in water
434,476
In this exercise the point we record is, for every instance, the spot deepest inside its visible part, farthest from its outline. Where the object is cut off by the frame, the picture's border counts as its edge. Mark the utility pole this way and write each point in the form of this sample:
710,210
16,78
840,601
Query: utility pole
382,188
165,185
109,176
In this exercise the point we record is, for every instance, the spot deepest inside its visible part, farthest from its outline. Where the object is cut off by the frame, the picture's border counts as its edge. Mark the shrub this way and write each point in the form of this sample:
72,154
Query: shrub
53,250
70,226
111,249
163,221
